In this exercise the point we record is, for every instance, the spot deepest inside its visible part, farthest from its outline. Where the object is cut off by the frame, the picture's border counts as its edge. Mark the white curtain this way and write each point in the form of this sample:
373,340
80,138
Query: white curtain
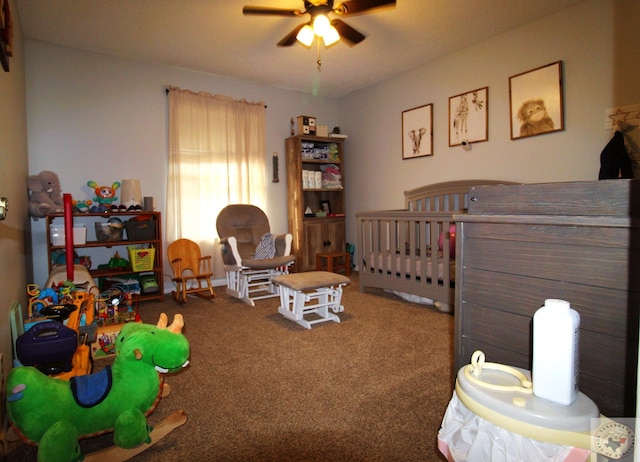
216,158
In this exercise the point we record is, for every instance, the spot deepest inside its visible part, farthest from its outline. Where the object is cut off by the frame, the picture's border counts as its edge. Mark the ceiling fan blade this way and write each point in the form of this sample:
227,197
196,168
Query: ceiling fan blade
347,32
361,6
290,38
263,10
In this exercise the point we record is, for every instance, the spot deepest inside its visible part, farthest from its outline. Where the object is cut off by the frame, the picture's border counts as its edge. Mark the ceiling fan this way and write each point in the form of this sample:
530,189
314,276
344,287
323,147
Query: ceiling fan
330,30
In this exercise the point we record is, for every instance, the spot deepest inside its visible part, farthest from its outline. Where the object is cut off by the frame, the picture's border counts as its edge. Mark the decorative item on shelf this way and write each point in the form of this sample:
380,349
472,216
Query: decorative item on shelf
81,206
117,262
335,133
325,206
105,196
45,194
308,213
149,204
322,130
131,195
306,125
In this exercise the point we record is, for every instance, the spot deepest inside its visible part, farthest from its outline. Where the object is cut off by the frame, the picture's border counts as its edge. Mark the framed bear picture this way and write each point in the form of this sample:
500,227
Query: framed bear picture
536,101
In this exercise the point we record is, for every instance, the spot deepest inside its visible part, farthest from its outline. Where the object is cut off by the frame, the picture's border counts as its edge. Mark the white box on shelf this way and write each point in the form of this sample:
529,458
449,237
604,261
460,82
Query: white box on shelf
58,235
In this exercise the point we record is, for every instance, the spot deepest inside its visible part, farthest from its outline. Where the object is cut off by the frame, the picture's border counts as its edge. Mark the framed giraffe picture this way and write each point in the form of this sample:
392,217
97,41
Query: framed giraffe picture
469,117
417,132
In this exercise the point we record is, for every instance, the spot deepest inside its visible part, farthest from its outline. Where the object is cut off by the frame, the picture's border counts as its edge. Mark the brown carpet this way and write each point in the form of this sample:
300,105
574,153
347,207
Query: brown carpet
262,388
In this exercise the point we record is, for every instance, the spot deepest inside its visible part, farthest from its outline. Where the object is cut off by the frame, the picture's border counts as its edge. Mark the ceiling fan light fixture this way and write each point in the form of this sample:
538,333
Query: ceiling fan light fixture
321,25
306,35
331,36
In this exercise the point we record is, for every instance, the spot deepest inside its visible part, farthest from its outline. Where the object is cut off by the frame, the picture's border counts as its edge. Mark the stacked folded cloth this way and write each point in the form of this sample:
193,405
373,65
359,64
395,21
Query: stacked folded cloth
331,177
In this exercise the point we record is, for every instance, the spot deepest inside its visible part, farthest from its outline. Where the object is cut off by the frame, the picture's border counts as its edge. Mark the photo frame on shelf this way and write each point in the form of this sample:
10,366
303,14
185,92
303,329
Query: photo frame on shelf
469,117
325,206
536,101
417,132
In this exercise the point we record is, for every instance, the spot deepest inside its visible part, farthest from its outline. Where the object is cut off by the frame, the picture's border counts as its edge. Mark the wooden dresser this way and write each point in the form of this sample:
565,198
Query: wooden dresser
580,242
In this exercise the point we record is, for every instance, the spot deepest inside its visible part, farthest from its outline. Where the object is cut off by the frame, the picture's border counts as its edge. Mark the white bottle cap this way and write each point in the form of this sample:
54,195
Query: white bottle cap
557,304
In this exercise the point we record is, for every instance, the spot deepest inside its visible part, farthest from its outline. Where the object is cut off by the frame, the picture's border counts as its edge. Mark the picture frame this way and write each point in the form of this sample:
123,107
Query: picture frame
536,101
417,132
325,206
469,117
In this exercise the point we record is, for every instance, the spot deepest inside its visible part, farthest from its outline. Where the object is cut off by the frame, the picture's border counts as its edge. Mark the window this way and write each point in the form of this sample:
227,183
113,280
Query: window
216,158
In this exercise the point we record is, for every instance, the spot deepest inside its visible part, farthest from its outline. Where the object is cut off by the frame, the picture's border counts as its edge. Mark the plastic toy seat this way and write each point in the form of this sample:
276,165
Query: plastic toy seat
189,266
241,228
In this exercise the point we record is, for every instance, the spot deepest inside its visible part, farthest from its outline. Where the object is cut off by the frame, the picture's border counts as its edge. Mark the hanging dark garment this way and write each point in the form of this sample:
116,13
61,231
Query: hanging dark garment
614,160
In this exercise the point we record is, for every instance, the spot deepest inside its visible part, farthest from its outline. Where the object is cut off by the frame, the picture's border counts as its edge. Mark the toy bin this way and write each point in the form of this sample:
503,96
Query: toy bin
109,232
58,235
141,259
141,230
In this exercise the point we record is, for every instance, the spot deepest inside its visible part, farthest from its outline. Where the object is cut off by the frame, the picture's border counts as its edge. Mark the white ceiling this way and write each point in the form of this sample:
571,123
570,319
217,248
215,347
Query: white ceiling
215,37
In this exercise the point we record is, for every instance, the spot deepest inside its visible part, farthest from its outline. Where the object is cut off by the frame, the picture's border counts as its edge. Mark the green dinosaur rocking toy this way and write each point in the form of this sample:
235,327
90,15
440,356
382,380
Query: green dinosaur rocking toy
54,413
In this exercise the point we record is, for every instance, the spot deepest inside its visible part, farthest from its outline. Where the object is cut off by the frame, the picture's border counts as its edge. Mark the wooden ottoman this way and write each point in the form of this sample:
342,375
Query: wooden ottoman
298,289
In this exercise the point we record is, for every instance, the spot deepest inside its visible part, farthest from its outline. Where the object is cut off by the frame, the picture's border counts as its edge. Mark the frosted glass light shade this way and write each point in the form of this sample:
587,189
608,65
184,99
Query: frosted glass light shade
321,25
130,193
305,36
331,36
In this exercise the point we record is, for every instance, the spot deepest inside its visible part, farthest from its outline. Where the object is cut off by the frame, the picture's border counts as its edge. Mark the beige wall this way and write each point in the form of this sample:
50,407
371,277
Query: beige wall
597,42
13,177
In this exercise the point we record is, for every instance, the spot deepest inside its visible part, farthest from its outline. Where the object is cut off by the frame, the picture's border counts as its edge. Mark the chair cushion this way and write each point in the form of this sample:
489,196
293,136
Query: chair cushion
244,235
310,280
268,263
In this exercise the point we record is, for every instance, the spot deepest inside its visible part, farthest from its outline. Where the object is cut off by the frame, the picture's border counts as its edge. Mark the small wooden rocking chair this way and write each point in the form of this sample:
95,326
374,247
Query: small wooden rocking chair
188,265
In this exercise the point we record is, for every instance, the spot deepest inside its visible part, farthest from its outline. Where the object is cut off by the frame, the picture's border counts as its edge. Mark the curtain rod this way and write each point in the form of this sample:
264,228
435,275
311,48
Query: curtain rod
167,90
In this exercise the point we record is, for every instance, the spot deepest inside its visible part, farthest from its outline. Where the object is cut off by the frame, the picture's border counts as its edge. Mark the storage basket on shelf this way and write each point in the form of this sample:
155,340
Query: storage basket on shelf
141,259
109,232
140,230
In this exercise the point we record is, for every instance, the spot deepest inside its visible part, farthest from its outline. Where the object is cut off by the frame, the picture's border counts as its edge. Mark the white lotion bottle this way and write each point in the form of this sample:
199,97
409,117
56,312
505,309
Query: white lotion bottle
556,334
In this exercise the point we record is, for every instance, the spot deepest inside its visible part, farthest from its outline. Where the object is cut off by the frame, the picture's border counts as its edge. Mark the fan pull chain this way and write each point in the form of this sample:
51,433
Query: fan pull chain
319,61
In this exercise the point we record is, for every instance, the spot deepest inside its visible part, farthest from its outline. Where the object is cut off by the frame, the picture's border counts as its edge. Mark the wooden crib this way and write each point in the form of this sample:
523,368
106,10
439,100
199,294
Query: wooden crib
412,251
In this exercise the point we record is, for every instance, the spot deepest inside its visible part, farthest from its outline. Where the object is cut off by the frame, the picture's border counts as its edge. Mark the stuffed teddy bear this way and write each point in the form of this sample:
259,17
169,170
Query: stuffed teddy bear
45,194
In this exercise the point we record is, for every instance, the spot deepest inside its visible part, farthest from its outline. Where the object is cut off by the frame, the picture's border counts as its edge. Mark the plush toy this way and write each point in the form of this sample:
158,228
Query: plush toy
105,196
81,206
54,413
45,194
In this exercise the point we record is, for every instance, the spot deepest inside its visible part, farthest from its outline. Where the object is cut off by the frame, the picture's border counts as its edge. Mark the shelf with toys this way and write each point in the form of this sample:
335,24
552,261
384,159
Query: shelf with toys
118,246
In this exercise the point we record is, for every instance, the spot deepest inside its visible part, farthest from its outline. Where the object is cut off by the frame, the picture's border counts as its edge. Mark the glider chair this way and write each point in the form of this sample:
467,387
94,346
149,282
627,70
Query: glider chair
192,272
251,254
